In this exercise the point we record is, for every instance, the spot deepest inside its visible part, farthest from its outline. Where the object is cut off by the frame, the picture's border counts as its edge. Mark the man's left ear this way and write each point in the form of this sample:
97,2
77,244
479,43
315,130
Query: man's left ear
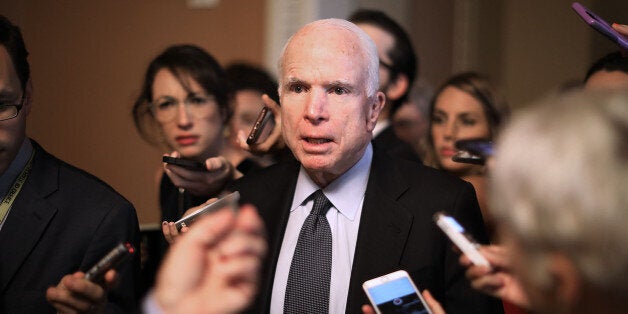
28,97
399,87
378,103
567,282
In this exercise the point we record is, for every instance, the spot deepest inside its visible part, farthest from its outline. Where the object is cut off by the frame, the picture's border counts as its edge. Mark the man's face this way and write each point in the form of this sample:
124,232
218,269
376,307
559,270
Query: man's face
384,42
12,131
327,117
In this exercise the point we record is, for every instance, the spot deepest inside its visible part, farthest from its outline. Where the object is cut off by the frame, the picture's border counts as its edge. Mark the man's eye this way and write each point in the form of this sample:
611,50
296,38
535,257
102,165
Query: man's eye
297,88
468,121
340,91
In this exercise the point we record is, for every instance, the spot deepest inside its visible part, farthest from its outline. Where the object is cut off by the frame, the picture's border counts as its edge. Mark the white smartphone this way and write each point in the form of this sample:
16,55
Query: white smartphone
395,293
230,200
460,238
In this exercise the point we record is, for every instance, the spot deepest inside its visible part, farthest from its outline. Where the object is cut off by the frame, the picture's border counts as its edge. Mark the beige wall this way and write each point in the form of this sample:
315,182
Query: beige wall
88,59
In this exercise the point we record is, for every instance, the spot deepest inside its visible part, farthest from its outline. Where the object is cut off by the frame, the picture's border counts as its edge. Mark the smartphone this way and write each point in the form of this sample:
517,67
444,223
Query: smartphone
395,293
230,200
461,238
600,25
185,163
262,119
113,259
473,151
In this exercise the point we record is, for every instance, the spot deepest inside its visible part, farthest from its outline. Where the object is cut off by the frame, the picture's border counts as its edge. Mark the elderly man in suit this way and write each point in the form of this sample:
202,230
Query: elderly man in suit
55,220
343,212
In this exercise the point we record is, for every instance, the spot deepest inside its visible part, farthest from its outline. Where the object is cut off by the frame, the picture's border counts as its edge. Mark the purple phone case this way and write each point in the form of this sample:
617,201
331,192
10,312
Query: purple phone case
600,25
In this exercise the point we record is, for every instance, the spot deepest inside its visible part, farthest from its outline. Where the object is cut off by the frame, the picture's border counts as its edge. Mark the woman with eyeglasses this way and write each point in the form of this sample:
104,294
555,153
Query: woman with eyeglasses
466,106
183,107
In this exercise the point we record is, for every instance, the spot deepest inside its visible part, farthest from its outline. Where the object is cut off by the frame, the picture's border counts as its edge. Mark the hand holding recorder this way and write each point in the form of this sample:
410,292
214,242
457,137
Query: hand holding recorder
87,292
203,179
497,281
171,230
274,141
395,293
617,34
215,267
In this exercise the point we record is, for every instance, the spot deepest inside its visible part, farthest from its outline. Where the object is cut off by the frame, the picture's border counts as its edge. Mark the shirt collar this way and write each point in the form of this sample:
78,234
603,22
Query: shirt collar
346,193
380,126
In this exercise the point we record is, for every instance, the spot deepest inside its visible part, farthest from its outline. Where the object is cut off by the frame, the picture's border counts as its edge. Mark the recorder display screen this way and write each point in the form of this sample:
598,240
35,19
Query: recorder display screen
397,296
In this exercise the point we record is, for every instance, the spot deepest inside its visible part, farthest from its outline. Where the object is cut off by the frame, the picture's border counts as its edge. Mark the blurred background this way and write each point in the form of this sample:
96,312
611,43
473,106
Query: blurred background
88,59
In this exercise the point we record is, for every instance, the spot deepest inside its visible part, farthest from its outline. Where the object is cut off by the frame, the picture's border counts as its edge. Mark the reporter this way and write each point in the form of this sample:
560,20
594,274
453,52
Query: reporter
561,202
183,107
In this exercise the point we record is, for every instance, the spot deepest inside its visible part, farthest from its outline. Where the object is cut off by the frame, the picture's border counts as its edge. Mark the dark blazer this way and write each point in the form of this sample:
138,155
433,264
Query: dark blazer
63,220
396,229
387,141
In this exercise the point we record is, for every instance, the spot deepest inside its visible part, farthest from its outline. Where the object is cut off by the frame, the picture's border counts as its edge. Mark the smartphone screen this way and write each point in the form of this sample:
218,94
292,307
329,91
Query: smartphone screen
396,296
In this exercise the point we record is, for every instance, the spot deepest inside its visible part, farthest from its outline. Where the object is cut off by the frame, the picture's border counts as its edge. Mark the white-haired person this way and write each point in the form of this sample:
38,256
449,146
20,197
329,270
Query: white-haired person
559,192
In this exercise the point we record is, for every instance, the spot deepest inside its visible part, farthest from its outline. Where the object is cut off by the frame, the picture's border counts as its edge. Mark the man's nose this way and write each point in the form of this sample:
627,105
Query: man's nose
315,109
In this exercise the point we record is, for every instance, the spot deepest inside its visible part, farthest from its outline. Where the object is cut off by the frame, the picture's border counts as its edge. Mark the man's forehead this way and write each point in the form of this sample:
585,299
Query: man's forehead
9,81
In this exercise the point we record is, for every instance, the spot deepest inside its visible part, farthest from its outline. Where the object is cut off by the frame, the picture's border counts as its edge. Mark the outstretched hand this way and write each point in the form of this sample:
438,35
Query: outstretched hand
201,183
498,280
75,294
274,142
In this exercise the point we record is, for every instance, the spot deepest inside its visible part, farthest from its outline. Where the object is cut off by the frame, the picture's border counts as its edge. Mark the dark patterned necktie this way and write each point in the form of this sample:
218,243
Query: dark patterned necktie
310,272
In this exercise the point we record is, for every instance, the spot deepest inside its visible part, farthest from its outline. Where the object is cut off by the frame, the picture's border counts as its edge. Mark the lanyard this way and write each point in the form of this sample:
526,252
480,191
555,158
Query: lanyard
15,189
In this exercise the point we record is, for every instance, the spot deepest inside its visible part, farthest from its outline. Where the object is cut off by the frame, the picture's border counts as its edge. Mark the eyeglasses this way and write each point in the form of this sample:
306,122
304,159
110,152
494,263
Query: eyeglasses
10,110
166,108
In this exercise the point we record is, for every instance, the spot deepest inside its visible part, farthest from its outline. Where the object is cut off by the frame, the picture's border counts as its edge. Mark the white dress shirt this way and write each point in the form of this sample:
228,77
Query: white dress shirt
346,194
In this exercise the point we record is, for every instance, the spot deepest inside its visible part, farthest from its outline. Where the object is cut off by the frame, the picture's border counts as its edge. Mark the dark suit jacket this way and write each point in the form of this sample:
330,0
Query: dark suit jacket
396,229
387,141
63,220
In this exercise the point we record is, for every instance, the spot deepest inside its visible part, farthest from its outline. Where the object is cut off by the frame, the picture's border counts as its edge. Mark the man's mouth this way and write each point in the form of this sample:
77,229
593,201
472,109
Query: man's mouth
317,140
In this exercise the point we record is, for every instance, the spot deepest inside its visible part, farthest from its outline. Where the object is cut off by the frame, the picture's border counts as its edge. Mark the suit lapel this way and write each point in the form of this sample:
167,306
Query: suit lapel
28,218
384,228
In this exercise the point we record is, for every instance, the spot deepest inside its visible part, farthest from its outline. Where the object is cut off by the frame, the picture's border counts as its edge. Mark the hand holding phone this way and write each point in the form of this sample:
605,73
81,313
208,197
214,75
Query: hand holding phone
264,116
230,200
113,259
460,238
600,25
185,163
473,151
395,293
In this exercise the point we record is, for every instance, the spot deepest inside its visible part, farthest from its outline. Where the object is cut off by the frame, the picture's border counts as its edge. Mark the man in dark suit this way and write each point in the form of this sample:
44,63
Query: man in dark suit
55,219
398,65
380,218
